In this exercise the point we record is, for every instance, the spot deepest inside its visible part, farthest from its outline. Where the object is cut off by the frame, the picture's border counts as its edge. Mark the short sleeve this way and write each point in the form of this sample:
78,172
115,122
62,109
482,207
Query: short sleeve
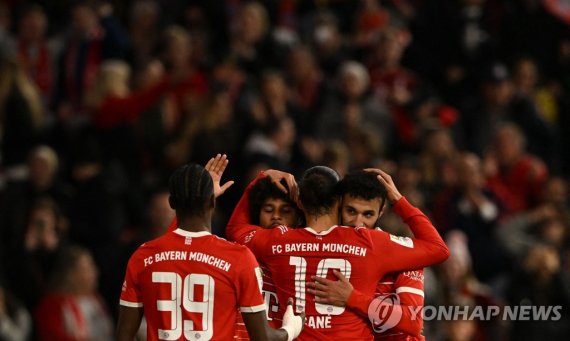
130,293
249,284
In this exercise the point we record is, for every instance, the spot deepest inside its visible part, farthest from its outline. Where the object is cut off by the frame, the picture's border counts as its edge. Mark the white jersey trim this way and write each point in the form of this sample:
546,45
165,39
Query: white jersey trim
410,290
130,304
322,233
255,309
185,233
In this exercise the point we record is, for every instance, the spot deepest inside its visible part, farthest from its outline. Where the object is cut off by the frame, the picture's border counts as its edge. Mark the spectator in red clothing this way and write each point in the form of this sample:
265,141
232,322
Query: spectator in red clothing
371,19
394,84
110,100
182,104
517,176
73,310
95,35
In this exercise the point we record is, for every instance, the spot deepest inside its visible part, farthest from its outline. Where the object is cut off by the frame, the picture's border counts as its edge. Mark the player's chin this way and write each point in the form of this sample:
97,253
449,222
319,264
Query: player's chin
275,224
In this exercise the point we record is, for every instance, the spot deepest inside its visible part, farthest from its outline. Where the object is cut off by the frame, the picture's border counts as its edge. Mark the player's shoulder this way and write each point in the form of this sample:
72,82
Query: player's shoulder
275,232
228,248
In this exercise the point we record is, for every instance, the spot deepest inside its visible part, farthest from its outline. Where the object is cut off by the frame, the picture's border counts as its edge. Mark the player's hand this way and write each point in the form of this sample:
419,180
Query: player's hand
385,179
216,167
276,177
331,292
292,323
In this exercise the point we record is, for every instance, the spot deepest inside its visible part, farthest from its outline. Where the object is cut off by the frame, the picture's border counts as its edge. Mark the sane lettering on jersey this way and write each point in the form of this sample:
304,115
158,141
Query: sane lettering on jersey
317,247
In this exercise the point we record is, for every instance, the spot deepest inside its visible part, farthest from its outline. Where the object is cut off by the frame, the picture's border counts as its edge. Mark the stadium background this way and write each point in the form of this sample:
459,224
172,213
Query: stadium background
100,101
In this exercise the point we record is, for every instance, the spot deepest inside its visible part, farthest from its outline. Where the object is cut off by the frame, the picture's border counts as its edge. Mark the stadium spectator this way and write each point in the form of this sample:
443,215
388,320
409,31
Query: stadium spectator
73,309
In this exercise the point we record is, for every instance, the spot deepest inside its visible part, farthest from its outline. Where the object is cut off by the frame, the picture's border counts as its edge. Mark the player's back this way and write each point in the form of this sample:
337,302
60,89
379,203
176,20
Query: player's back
190,285
296,255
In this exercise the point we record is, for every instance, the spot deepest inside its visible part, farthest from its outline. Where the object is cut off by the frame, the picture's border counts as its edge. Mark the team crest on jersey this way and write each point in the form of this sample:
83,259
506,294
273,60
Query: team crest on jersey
282,228
404,241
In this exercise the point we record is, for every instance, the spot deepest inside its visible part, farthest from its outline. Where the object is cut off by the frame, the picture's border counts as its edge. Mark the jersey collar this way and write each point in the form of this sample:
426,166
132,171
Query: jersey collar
185,233
322,233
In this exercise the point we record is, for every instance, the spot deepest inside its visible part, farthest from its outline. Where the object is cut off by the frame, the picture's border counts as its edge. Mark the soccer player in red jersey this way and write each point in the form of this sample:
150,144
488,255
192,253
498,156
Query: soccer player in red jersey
363,202
295,255
189,283
269,207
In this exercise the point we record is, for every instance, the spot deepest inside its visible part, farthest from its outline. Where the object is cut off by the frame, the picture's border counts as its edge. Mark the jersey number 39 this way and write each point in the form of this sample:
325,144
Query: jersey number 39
182,296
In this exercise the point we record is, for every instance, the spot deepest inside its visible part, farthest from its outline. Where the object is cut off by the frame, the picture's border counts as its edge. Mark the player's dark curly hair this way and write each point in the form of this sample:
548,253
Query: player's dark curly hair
191,190
318,190
262,190
364,185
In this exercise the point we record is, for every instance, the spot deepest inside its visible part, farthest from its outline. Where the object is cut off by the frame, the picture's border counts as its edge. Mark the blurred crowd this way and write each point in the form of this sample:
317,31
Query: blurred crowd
466,103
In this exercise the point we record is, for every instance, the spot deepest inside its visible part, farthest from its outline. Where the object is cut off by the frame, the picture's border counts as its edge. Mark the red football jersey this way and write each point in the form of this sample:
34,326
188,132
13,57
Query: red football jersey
190,285
409,286
362,255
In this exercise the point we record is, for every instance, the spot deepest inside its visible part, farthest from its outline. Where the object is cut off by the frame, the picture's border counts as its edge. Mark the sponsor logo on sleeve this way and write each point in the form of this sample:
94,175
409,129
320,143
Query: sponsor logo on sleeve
404,241
259,277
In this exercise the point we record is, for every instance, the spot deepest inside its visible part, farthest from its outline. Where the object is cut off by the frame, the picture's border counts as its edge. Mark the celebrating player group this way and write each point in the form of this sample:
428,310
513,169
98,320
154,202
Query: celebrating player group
304,261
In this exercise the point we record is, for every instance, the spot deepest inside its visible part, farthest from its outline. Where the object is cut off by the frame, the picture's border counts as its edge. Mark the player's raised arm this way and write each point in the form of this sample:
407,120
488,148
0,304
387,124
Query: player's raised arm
425,249
215,167
239,226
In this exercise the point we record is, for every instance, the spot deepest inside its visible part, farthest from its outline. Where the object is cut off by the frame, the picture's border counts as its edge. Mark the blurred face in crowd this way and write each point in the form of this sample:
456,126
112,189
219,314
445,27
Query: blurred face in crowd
84,275
440,144
252,23
469,171
83,19
42,230
359,212
274,88
42,168
275,212
352,85
498,93
33,26
509,145
556,191
525,75
390,48
301,64
284,137
179,48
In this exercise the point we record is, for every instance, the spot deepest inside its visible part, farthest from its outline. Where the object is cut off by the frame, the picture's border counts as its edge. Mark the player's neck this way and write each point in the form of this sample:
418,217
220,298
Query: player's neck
194,224
322,223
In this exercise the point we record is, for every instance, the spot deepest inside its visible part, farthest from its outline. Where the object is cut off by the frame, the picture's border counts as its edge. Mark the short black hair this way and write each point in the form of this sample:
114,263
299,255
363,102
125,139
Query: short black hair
191,189
364,185
262,190
318,190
